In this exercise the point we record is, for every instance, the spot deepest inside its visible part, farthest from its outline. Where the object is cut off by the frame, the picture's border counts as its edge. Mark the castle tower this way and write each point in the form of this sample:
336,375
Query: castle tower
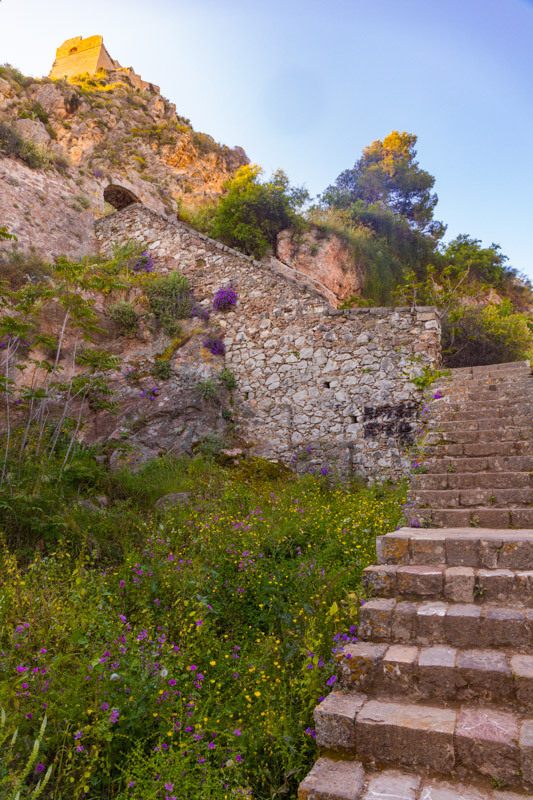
77,55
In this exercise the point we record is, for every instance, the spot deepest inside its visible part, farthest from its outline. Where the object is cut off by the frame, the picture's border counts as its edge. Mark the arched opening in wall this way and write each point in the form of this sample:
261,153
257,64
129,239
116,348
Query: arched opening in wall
119,197
72,51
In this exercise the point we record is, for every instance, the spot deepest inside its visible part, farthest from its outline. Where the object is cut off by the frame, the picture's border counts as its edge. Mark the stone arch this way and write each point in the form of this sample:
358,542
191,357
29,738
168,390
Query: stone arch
72,51
119,197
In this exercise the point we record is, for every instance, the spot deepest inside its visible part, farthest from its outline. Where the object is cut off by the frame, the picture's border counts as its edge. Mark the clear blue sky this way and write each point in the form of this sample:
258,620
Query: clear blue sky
306,84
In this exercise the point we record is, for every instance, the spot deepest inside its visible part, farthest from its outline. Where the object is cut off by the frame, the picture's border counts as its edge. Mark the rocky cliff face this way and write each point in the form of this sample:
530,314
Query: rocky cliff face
324,257
96,131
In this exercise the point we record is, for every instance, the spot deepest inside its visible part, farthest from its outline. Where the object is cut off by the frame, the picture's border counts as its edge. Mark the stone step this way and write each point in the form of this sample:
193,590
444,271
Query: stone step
339,779
496,435
494,448
508,379
456,584
445,674
463,625
479,464
471,498
471,480
479,517
506,366
485,742
479,423
479,548
452,414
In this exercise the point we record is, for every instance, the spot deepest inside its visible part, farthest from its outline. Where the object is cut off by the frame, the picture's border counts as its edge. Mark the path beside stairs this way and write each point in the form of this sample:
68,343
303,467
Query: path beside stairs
436,698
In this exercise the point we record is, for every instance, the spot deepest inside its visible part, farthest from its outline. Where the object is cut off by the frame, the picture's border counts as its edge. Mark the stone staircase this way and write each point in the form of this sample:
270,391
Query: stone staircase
436,697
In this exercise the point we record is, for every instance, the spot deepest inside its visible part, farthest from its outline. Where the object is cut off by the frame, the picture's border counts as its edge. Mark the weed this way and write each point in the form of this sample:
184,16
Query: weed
207,389
125,316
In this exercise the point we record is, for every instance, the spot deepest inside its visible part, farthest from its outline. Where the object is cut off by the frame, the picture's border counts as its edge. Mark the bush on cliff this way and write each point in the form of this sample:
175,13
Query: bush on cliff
251,213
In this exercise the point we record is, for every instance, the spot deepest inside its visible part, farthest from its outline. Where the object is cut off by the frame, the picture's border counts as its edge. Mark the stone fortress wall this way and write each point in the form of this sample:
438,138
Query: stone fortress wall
77,56
318,388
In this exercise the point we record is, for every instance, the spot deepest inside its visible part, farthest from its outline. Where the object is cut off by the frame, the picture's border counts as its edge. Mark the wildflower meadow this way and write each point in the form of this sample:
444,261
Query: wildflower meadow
161,655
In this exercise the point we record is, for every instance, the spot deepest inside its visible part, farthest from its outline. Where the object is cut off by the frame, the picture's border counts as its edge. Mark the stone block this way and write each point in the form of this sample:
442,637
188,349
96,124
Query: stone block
407,734
490,553
437,676
404,622
360,665
459,584
420,580
375,619
392,549
486,742
428,550
487,675
333,780
462,551
516,554
522,669
440,790
495,585
462,625
380,580
335,720
526,751
523,587
399,668
502,627
430,618
392,785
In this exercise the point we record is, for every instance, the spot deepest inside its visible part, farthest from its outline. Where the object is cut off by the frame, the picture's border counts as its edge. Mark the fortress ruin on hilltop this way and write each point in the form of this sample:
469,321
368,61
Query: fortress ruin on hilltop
78,56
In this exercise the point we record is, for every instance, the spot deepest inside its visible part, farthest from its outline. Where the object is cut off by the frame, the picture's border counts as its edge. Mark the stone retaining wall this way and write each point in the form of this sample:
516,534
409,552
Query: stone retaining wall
318,388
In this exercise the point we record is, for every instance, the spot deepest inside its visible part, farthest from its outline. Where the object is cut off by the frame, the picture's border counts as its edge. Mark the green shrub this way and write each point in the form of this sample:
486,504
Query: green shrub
161,370
227,378
170,299
83,201
207,389
251,214
210,445
489,335
36,156
124,315
13,143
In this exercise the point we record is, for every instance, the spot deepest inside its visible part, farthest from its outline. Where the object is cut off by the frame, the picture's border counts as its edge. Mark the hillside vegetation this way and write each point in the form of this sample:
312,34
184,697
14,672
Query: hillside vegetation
179,653
383,210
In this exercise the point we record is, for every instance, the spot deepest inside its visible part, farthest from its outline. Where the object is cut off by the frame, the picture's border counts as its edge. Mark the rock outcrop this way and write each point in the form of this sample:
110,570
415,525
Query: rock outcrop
325,257
98,130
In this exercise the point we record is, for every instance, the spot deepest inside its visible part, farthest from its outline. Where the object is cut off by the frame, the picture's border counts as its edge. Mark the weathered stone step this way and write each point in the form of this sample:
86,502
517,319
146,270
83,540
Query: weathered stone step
478,517
455,584
479,423
479,548
471,480
469,498
506,366
485,742
445,674
450,414
496,435
496,379
339,779
463,625
479,464
494,448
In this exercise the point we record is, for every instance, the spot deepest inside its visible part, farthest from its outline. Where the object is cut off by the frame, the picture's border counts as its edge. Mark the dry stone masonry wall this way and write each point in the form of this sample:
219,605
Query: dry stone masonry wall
318,388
